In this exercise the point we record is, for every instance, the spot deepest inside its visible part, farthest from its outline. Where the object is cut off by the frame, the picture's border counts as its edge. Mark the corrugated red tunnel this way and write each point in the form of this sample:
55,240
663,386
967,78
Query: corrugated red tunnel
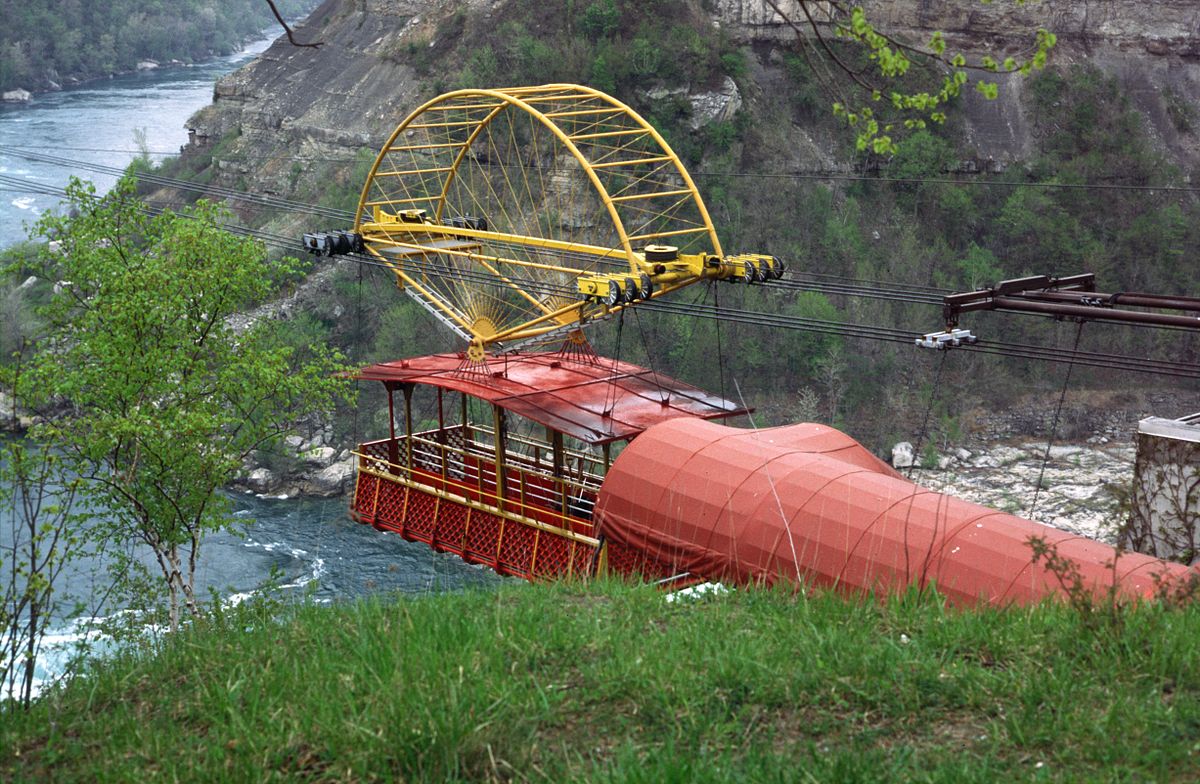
807,502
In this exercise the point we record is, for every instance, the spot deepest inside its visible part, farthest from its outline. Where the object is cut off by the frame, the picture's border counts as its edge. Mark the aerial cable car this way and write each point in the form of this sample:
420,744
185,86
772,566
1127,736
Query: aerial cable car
519,216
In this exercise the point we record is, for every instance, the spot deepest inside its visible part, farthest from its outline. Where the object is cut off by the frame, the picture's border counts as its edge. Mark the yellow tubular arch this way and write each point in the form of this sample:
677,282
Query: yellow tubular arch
513,279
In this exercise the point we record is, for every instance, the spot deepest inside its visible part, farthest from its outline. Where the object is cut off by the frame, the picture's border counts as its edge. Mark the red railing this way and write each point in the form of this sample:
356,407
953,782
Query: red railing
440,487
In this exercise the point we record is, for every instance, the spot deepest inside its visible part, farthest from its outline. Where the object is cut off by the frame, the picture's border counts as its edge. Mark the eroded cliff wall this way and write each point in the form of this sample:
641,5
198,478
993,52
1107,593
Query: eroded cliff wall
276,125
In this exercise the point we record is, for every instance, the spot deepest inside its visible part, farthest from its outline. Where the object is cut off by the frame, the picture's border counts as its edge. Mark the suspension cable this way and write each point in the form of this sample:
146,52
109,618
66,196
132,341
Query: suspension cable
1062,396
769,320
933,395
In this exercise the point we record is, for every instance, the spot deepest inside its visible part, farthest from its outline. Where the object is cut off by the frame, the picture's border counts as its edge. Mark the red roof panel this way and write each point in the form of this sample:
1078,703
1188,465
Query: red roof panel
595,400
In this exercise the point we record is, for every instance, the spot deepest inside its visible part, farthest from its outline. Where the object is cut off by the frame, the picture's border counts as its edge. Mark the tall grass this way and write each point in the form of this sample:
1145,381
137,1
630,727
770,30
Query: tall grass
608,682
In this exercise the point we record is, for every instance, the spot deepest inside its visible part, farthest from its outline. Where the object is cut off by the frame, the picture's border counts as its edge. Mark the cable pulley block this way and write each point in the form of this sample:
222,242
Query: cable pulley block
752,268
946,339
661,252
333,243
615,289
466,222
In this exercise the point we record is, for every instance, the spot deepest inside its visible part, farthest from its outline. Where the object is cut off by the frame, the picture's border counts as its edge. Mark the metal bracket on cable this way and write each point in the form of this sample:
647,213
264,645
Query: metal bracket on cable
946,339
333,243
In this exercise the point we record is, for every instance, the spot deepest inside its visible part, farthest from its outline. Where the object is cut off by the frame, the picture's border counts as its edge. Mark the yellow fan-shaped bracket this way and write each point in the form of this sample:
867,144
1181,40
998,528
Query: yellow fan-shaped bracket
514,213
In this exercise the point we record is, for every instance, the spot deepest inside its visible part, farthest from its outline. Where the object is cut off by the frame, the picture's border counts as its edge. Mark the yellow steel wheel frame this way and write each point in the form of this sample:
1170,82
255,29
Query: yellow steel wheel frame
492,206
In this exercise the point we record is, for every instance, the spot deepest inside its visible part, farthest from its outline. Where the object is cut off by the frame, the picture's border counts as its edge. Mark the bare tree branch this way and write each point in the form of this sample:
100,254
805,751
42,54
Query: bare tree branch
288,30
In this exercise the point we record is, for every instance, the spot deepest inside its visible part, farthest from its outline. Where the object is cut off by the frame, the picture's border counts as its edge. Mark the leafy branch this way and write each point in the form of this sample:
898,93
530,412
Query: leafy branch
873,99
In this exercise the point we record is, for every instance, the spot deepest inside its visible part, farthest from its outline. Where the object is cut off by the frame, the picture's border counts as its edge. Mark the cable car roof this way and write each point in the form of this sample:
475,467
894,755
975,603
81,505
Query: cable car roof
595,400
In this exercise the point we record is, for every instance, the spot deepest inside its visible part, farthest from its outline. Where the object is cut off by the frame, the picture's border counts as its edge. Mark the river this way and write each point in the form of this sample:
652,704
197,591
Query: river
311,543
97,123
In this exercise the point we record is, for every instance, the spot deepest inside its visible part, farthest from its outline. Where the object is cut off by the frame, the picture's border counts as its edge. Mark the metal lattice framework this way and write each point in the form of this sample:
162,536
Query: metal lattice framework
515,213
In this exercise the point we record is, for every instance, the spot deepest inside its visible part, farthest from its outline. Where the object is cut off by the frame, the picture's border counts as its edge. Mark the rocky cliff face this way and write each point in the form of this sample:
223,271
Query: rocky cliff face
279,120
295,122
1159,28
1153,48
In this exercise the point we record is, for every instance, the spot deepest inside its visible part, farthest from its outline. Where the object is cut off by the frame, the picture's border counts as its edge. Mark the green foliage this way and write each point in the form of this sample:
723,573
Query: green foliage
603,77
167,398
979,268
41,536
626,48
18,322
734,64
482,69
600,19
720,135
405,329
56,39
1034,226
805,351
922,155
585,683
930,231
1181,112
929,457
894,103
804,90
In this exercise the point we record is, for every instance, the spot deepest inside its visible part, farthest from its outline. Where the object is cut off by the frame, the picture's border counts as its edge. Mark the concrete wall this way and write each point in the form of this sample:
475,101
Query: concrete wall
1166,490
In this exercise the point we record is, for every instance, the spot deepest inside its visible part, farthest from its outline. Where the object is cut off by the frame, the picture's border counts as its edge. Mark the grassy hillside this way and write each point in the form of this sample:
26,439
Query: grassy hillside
609,682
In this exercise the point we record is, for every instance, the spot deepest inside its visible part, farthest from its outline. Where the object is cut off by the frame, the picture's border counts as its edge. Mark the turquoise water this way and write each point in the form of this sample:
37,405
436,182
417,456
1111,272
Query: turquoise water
311,544
97,123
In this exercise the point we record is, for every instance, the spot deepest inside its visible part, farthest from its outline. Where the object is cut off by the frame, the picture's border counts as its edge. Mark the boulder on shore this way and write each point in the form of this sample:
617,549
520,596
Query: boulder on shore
333,480
902,455
260,480
319,457
17,96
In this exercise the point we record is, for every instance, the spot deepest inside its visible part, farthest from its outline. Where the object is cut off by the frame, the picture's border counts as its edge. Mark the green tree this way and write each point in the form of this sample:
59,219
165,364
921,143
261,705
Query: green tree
167,396
804,351
41,538
601,19
979,268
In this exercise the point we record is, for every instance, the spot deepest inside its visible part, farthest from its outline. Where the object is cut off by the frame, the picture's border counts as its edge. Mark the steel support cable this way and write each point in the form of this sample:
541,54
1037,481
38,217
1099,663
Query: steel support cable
894,295
1019,351
1091,359
873,290
637,317
822,174
867,291
870,290
720,351
802,277
158,179
868,282
608,408
1062,396
933,391
768,320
